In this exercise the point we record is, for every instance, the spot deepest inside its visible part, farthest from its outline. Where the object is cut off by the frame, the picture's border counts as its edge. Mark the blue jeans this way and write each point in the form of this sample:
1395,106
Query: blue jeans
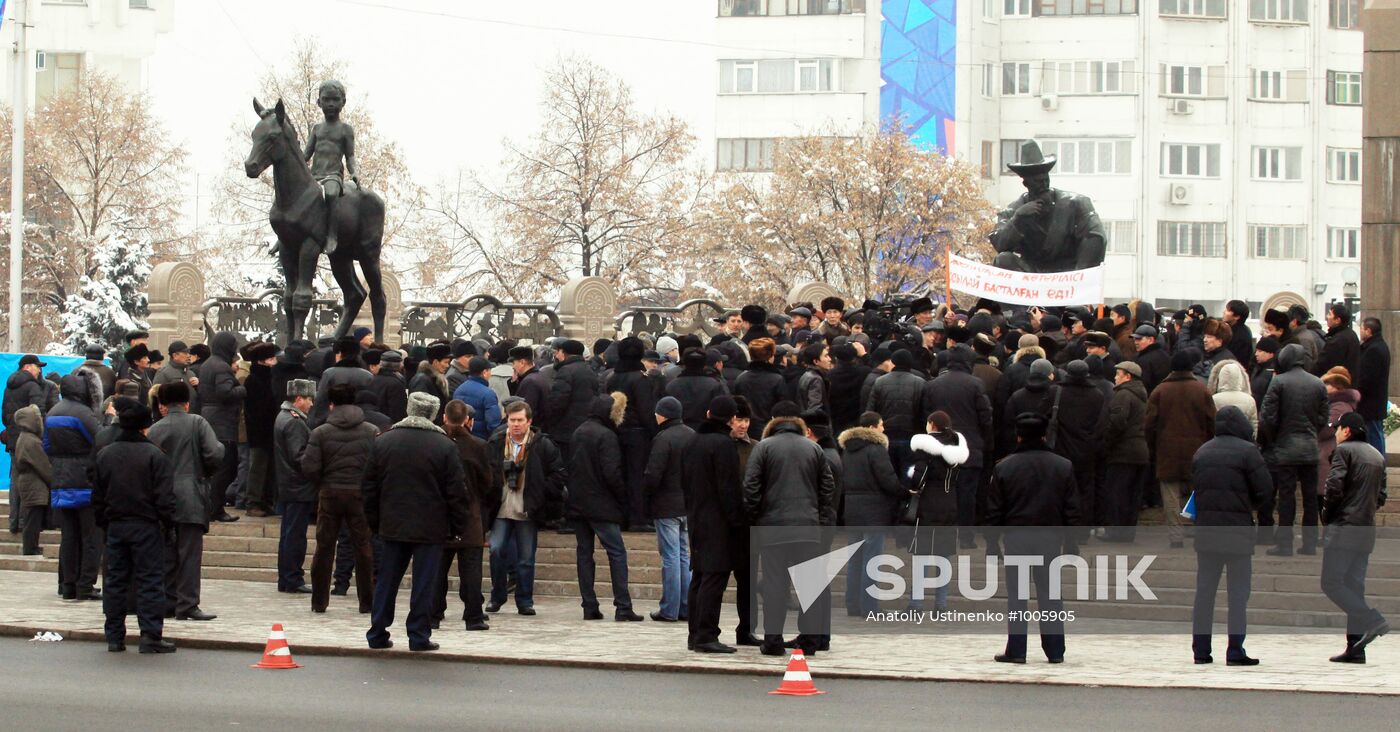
858,601
1375,434
522,537
673,543
291,549
610,536
395,561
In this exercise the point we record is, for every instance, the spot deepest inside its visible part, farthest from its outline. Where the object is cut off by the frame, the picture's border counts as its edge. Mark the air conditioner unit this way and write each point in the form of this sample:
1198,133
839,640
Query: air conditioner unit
1182,106
1180,194
1049,102
41,61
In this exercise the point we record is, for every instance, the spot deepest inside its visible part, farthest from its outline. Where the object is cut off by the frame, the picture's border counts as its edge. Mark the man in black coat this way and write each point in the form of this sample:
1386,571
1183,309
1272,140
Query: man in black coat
431,379
961,395
389,388
719,534
260,405
416,501
527,475
897,398
1151,357
1373,381
1294,410
846,378
1078,436
1355,489
1033,496
221,405
1265,351
630,379
348,369
1231,482
665,505
133,500
762,384
1340,346
595,506
570,395
1241,337
695,387
527,382
23,388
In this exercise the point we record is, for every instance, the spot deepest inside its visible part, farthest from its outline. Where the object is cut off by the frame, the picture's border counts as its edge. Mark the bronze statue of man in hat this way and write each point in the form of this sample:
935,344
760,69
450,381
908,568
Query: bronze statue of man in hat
1046,229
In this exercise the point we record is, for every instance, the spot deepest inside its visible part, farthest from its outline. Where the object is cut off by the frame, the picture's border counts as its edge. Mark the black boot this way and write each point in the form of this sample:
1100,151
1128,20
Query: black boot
1352,654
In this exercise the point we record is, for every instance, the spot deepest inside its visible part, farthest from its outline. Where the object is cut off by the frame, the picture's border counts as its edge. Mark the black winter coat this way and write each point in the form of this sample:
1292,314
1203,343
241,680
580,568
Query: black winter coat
631,379
132,482
1373,379
545,476
291,433
763,386
1231,481
260,404
868,481
282,374
1030,398
846,379
1077,435
1355,489
1155,365
338,450
570,397
596,490
937,458
960,394
534,387
1295,408
695,389
1259,379
1341,347
1124,442
414,485
1241,343
896,397
662,491
714,497
220,395
21,390
788,481
1034,487
431,382
390,394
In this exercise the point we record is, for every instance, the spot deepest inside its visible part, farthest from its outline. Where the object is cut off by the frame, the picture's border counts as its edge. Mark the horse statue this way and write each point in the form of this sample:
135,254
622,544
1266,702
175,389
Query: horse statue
299,220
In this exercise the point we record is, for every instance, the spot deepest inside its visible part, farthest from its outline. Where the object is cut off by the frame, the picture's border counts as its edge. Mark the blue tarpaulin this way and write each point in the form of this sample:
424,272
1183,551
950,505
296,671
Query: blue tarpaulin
9,363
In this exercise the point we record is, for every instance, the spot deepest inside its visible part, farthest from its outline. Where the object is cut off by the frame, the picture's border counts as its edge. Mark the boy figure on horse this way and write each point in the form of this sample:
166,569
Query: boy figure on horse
331,151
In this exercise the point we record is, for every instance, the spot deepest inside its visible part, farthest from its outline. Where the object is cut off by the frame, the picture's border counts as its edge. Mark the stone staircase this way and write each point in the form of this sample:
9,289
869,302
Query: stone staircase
1286,591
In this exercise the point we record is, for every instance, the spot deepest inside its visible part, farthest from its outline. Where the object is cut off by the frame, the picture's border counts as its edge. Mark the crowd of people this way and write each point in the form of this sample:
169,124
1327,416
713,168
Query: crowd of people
874,416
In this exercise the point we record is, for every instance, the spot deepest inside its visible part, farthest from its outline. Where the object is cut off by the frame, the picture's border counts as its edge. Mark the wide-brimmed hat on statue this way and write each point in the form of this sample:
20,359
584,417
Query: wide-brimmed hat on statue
1033,162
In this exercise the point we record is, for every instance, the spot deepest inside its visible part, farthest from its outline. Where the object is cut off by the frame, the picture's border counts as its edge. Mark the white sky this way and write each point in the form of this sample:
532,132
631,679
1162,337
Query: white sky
446,79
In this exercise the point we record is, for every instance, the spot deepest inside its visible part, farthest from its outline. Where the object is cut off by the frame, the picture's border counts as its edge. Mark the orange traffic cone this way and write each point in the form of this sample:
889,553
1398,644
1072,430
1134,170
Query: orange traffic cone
277,654
797,680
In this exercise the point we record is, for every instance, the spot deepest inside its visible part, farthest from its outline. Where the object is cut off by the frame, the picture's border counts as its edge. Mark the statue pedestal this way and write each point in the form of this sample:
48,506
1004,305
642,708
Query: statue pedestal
587,308
176,296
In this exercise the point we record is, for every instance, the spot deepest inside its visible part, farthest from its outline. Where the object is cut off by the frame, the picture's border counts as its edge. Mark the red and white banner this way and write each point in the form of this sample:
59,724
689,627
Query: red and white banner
1077,287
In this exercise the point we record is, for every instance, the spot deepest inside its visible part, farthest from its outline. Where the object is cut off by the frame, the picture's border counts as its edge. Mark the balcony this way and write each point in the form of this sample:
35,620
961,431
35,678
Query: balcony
778,8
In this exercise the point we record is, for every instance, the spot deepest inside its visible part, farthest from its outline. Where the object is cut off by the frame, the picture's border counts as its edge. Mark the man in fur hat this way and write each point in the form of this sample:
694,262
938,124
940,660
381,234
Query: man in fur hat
833,308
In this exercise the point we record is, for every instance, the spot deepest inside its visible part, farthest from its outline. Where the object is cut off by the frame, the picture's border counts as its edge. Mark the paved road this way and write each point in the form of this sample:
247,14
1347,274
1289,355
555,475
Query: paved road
78,686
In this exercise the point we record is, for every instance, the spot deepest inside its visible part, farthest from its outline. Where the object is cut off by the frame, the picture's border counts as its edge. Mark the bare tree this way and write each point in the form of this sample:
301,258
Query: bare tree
871,215
601,190
97,164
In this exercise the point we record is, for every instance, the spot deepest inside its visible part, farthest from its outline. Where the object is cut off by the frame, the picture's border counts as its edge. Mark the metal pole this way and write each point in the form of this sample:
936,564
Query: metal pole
19,110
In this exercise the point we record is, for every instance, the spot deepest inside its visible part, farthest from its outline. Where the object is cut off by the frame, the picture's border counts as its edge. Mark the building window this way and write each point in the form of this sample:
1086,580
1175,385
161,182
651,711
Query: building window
741,8
1191,238
988,163
1344,87
1278,242
1343,243
1015,79
1086,7
747,154
1192,8
1278,86
989,9
1122,236
1344,14
1190,160
1279,11
1193,81
58,73
1277,163
778,76
1016,7
1088,77
1010,153
1343,166
989,80
1091,157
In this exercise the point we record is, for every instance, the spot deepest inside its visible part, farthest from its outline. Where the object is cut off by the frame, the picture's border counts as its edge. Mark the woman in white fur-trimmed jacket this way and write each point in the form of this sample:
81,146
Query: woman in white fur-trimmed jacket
937,456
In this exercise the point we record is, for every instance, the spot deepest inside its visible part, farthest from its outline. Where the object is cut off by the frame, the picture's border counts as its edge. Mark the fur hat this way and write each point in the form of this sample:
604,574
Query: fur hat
422,404
200,351
263,351
754,314
136,353
132,414
833,303
462,347
301,388
522,352
631,348
1028,340
571,347
438,351
1218,328
784,409
723,408
1031,425
601,345
1337,376
1276,318
742,409
347,347
983,344
1182,360
1096,338
372,357
1267,344
921,305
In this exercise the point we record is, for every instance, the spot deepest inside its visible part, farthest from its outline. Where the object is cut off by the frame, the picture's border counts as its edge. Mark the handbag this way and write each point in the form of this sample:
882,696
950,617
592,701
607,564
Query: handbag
907,514
1054,420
